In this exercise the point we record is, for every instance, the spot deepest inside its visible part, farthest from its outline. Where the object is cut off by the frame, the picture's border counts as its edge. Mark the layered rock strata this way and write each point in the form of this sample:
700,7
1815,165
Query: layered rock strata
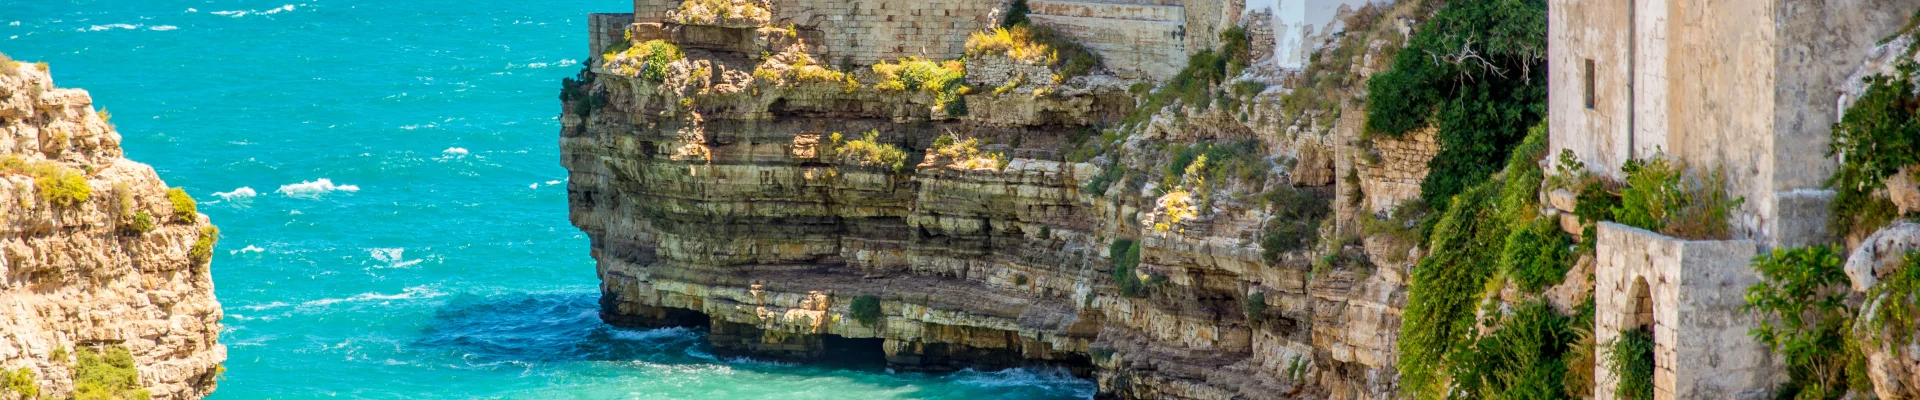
115,266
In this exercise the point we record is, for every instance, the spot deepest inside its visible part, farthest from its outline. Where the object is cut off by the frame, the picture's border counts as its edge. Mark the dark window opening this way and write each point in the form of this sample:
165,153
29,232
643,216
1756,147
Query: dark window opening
1587,69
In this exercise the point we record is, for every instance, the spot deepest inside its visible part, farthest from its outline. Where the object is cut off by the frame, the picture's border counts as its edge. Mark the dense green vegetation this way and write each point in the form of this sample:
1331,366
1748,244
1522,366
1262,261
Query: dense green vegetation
108,375
184,208
866,151
1660,197
142,222
1899,300
1477,72
1879,134
653,57
1446,289
865,309
20,382
202,250
1523,359
1125,255
55,184
1255,304
1491,236
1630,358
946,81
1805,319
1199,83
1035,45
1297,215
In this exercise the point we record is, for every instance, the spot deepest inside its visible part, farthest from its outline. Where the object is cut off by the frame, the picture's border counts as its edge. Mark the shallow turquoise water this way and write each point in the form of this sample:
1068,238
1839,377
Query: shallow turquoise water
436,261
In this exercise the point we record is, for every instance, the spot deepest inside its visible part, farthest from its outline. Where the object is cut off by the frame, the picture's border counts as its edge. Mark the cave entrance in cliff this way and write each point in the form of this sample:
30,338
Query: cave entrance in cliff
858,353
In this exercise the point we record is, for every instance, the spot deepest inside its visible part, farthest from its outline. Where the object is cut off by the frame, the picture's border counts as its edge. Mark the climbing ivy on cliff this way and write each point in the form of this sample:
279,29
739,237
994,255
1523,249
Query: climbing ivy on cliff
1491,236
1446,289
1475,71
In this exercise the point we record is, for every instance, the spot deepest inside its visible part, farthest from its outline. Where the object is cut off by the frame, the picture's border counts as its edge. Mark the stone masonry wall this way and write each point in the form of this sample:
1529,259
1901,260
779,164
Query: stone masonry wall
1401,166
866,32
1701,346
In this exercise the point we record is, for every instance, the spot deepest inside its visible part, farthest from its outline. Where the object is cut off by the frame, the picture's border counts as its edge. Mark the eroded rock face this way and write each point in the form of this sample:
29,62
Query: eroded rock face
1893,357
87,274
713,197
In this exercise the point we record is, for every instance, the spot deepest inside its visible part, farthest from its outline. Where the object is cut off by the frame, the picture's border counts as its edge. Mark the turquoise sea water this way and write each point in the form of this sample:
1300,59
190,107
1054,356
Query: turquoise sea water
386,178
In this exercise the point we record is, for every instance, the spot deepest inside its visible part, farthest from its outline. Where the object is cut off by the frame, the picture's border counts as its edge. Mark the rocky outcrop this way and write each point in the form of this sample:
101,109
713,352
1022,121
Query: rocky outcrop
1892,351
93,253
731,193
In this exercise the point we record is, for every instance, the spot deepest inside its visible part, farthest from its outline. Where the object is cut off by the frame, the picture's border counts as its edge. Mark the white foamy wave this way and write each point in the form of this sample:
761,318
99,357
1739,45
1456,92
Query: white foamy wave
248,249
15,23
163,28
454,152
270,11
97,28
192,10
553,182
416,292
241,193
268,306
745,360
314,188
393,257
1051,378
679,332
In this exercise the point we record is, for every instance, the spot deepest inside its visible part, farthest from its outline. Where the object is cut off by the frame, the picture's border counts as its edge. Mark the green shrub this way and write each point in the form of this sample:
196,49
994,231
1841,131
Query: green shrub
1125,255
1520,195
1879,134
1445,289
184,209
142,222
1256,304
650,60
945,80
1801,300
1476,71
1659,197
1899,303
107,376
1016,14
1295,224
20,382
1099,184
866,310
202,250
61,186
1020,279
1196,84
1035,45
1536,256
55,184
1630,357
1522,359
868,151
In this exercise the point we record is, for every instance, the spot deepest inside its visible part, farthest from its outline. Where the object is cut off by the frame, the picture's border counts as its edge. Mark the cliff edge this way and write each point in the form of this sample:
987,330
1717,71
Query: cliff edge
104,281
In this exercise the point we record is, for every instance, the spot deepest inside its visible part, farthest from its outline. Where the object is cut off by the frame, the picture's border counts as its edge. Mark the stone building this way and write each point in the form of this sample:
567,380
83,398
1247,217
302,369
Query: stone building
1750,87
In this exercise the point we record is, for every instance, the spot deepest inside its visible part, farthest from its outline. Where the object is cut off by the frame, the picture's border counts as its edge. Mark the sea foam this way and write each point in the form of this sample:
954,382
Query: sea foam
314,188
241,193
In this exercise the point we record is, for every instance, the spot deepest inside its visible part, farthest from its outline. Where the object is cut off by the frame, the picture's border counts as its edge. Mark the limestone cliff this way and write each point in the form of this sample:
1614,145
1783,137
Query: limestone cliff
95,255
728,177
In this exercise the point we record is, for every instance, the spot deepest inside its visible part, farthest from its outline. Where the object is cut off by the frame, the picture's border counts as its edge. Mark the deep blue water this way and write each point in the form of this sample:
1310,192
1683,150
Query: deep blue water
435,259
